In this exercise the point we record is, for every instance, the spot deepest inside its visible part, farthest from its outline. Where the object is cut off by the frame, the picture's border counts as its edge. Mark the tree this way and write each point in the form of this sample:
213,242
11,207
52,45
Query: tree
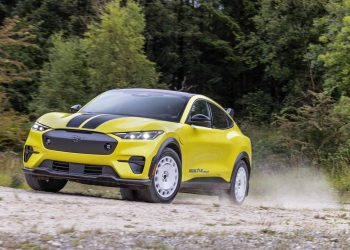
276,48
194,45
13,125
334,51
109,56
63,77
13,36
6,7
115,49
51,16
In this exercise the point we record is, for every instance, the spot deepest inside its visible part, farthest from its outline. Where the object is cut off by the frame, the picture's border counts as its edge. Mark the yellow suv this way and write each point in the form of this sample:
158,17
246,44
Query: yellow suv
150,143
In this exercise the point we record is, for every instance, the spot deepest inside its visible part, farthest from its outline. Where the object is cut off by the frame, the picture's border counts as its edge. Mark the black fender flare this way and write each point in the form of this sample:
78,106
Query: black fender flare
245,157
242,156
170,143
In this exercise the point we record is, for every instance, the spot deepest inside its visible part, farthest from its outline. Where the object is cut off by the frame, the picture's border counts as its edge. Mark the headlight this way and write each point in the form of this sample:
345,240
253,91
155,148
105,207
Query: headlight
144,135
39,127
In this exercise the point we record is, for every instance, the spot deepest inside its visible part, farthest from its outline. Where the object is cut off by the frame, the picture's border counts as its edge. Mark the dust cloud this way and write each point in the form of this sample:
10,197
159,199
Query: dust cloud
296,188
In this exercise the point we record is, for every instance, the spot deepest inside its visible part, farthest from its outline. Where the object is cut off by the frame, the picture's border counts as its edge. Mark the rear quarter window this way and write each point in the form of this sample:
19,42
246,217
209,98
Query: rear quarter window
221,120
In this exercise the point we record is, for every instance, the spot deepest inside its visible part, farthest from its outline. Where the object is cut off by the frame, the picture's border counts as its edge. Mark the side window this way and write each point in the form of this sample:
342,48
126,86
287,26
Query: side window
220,118
199,107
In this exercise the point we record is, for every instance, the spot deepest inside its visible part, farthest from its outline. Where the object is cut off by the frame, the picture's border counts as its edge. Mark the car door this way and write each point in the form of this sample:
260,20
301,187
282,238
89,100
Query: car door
222,140
199,153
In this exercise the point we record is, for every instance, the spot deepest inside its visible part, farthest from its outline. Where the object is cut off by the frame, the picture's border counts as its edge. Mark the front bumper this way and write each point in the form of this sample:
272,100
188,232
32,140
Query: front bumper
86,174
119,159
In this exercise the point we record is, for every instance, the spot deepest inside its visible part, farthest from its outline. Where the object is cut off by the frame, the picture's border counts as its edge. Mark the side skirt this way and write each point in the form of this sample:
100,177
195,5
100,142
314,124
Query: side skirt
205,185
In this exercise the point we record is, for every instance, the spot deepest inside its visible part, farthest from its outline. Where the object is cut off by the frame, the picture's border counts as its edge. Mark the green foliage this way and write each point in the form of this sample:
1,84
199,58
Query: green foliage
109,56
13,36
16,181
335,48
115,50
283,32
63,78
342,181
319,129
18,62
257,107
14,127
194,45
51,16
11,174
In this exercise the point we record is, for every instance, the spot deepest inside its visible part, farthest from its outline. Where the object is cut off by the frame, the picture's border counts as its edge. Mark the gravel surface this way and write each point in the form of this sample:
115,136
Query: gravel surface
36,220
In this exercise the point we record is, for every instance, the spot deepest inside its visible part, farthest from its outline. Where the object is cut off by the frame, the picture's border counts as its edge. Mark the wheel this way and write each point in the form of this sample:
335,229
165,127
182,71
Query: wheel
166,180
239,183
51,185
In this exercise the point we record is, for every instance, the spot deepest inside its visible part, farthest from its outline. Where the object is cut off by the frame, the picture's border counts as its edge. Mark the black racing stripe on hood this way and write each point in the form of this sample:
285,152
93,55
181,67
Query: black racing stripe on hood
78,120
97,121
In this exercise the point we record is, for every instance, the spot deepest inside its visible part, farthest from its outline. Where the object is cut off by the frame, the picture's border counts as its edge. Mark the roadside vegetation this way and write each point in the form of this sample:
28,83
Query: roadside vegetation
282,65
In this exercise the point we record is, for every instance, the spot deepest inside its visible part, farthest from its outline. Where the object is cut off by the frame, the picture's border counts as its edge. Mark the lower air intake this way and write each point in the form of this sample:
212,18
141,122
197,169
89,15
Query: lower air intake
92,170
60,166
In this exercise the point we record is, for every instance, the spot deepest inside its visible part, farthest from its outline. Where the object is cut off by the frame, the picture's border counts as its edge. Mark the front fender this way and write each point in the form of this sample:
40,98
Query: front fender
172,143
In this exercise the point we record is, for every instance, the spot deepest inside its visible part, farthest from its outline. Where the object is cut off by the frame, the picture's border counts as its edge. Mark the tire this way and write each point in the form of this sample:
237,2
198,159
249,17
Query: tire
51,185
128,194
166,180
239,183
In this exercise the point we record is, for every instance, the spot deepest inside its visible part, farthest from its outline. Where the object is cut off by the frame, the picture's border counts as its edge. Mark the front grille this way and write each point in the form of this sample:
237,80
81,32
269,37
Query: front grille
82,142
78,169
92,170
60,166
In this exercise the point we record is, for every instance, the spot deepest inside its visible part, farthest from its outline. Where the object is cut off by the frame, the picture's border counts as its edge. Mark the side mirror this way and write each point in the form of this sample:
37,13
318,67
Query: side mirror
230,112
200,120
75,108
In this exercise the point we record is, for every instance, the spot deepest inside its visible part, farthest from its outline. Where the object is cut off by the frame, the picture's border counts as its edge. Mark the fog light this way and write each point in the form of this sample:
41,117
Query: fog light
137,164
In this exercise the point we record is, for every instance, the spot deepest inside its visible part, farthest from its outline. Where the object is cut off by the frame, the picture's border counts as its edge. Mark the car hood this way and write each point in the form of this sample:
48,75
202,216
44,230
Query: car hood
105,123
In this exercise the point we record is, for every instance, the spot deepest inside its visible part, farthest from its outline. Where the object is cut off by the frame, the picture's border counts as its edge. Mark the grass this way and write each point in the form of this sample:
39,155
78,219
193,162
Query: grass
11,174
341,182
46,238
150,245
31,246
210,224
67,230
90,190
268,231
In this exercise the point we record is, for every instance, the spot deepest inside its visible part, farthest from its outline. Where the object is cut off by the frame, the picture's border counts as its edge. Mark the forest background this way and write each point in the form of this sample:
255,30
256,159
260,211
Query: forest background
283,65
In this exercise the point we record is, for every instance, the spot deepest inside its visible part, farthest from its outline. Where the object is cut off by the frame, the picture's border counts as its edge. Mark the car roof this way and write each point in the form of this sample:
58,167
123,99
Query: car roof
157,91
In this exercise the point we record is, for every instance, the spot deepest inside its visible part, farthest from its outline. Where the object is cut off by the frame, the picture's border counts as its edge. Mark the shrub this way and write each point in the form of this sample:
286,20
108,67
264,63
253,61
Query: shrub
319,129
14,127
257,107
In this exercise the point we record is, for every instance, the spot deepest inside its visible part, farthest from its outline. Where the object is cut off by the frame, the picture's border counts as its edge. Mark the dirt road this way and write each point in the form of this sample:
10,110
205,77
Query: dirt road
35,220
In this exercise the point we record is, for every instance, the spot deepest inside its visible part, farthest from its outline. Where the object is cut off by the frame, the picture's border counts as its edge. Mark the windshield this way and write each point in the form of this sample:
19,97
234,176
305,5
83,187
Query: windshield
161,106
